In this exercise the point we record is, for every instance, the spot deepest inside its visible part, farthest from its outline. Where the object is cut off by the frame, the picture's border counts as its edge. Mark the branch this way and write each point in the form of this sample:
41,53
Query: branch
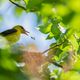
52,47
56,64
17,5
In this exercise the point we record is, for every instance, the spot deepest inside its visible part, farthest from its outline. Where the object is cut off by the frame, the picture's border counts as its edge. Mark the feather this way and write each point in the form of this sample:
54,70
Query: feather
8,32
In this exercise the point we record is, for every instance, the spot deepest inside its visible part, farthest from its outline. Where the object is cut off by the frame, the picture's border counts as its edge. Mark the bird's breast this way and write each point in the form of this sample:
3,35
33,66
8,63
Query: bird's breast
13,38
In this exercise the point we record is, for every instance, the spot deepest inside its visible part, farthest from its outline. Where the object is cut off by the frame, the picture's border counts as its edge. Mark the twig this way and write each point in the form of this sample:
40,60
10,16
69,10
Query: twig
17,5
56,64
52,47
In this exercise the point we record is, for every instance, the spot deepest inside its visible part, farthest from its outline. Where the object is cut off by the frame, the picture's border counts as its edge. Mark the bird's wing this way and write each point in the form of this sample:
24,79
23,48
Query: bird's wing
8,32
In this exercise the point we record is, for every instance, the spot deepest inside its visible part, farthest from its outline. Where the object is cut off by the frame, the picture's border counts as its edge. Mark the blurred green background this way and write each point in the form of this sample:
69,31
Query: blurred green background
50,22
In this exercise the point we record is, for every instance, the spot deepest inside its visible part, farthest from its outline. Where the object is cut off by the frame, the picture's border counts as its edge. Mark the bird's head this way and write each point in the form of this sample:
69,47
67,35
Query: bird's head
21,29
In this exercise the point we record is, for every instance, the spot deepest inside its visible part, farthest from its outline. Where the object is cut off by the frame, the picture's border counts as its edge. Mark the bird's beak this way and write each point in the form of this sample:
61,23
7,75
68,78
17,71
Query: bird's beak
26,32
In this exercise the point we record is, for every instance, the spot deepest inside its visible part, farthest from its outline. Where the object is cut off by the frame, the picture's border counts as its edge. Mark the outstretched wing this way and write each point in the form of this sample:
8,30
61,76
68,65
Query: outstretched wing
8,32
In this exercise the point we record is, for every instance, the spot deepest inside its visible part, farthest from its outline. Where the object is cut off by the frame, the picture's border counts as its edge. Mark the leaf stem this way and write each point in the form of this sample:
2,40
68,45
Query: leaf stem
52,47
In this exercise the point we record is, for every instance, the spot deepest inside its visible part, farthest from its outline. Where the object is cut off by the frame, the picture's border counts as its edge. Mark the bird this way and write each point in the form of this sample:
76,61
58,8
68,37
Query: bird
13,35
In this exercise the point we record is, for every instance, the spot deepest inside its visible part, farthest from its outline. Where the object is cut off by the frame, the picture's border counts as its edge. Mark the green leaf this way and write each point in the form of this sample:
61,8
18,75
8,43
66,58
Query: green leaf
45,28
70,75
74,42
55,30
8,64
75,23
62,10
76,65
66,19
50,36
26,1
46,10
34,5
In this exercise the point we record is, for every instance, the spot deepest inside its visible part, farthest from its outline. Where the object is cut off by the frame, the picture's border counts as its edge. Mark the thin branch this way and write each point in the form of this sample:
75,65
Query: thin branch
17,5
56,64
52,47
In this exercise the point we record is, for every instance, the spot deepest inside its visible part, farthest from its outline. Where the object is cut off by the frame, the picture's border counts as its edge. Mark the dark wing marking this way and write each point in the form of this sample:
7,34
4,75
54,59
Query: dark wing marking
8,32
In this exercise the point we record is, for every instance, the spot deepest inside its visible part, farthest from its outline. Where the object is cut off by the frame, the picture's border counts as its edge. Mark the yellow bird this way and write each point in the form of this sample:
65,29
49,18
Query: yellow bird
13,35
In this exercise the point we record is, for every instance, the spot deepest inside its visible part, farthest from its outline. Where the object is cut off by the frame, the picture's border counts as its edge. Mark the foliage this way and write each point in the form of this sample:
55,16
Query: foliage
59,19
8,68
